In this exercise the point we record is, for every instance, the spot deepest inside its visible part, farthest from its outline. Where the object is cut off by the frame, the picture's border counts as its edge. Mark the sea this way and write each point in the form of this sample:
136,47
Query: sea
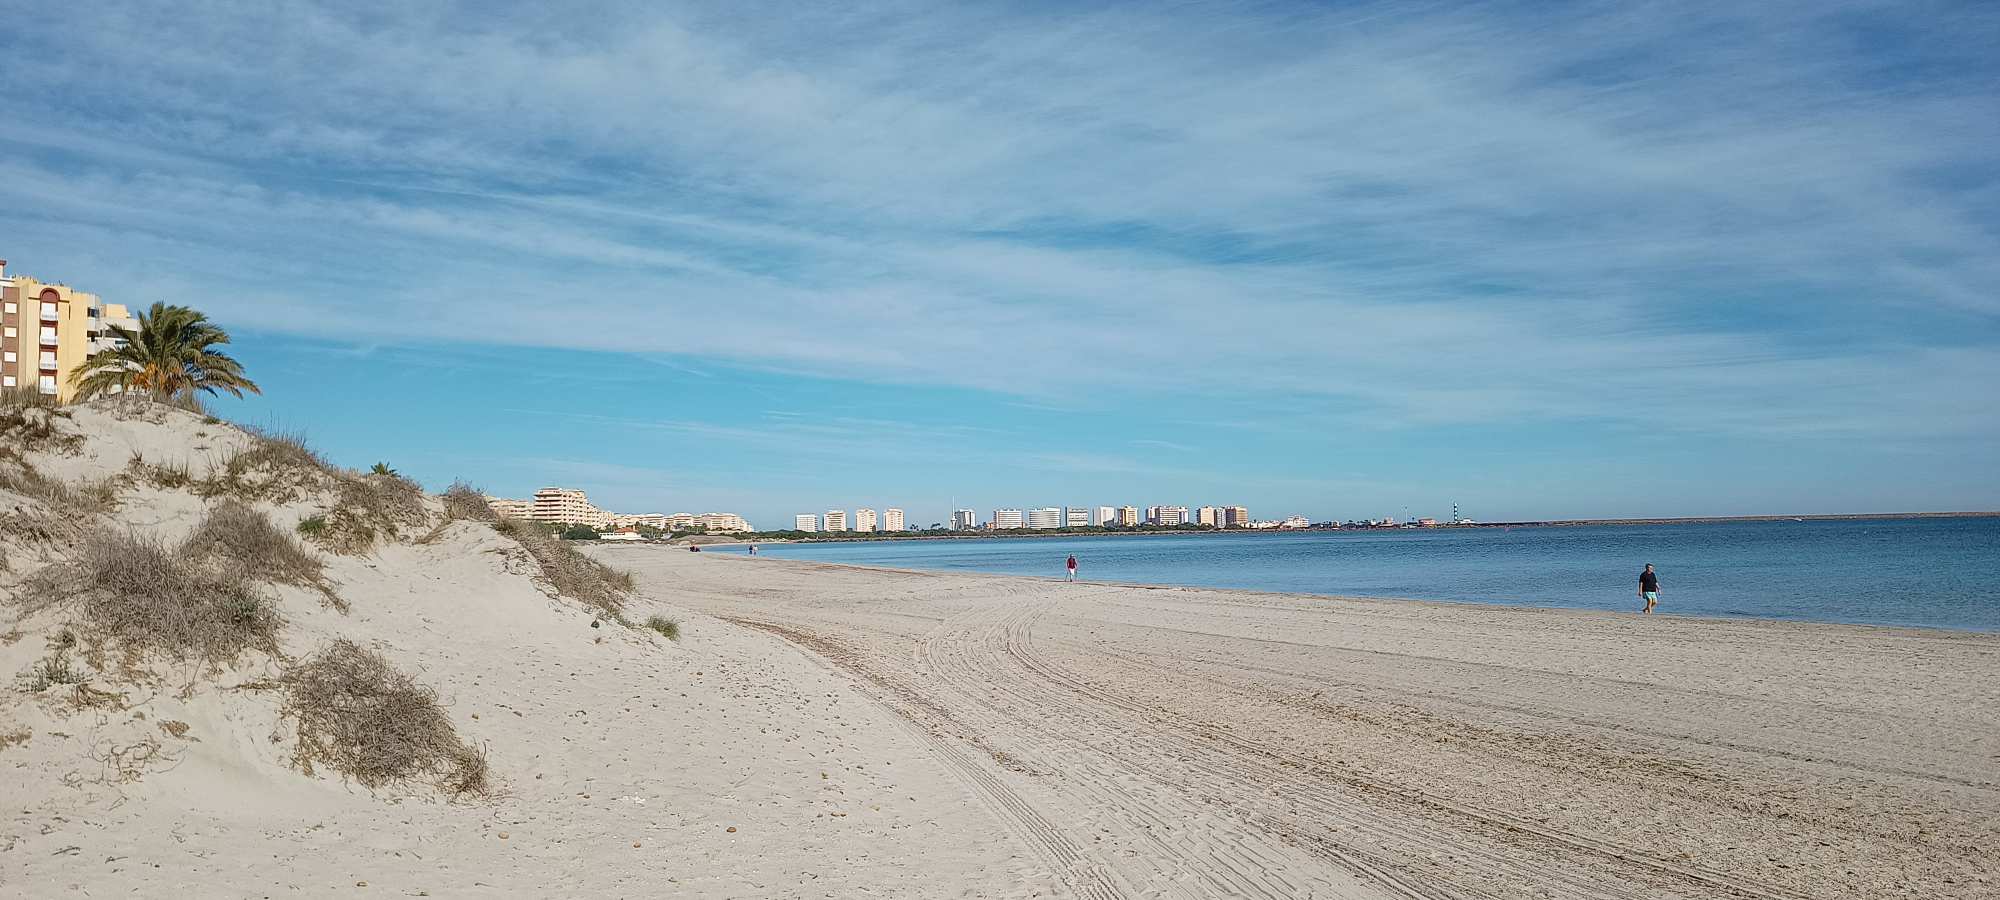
1931,572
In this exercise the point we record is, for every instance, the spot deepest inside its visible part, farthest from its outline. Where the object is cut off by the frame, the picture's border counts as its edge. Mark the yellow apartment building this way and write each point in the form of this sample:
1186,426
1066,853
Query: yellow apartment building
47,330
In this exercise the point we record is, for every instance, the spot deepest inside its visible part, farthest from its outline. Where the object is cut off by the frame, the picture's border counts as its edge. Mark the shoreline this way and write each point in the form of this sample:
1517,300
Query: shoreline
1352,598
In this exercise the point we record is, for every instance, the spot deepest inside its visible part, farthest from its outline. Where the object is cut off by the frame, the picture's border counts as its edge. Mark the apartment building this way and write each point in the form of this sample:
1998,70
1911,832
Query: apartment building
864,519
1045,517
1004,519
570,507
836,520
1167,515
650,520
964,520
723,523
805,522
511,509
1128,516
682,521
1235,517
47,331
892,519
1106,515
1076,517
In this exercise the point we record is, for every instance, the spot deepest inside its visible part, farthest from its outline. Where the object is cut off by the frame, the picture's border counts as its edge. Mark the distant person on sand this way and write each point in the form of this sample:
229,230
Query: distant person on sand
1072,568
1649,588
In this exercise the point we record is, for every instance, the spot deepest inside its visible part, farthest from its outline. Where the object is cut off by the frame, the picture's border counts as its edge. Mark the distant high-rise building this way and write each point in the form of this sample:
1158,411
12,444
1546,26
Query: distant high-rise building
1235,517
805,522
1076,517
50,330
1209,515
892,519
864,519
569,507
1128,516
1167,515
964,520
1106,515
1005,519
836,520
1045,517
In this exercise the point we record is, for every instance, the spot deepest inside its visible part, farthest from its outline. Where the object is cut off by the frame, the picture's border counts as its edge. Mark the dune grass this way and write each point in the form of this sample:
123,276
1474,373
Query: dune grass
146,595
665,626
463,501
233,534
571,573
359,716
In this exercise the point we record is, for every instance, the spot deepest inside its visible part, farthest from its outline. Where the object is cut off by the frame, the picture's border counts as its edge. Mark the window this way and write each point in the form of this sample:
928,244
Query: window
47,384
48,335
6,381
11,331
48,311
48,359
7,356
12,307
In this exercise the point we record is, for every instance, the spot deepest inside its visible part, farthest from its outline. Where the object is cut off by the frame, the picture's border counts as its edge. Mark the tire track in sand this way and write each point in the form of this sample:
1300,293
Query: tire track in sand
1043,838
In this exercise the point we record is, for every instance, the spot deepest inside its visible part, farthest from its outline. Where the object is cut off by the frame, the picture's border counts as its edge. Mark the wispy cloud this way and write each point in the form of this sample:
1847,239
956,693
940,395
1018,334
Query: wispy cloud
1753,219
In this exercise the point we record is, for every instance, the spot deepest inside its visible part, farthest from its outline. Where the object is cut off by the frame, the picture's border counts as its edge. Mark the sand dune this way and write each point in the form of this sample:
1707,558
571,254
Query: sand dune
626,765
1164,742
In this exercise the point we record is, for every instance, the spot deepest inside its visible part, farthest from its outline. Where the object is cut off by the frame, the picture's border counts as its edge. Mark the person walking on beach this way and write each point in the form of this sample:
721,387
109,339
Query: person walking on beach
1649,588
1072,568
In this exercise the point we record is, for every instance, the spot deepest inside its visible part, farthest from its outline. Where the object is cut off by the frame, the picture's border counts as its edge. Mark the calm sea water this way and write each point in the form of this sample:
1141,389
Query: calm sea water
1929,572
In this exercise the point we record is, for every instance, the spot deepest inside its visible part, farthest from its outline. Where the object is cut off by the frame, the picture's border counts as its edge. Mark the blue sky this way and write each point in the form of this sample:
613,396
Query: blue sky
1342,260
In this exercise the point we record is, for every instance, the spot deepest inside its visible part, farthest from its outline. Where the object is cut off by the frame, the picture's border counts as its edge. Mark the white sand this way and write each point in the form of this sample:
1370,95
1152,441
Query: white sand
623,763
1200,743
873,733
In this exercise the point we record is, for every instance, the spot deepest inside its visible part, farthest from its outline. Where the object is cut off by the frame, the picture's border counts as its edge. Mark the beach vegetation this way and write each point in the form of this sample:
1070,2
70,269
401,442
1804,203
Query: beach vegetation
382,468
52,671
665,626
31,421
579,533
141,593
570,573
172,356
463,501
312,526
235,535
361,717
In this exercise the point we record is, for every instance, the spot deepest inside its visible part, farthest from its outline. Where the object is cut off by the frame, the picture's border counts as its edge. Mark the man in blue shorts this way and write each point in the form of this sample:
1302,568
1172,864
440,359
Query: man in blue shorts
1649,588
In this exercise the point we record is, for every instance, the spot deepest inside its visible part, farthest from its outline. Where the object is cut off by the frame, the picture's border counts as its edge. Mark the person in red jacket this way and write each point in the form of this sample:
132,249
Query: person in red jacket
1072,568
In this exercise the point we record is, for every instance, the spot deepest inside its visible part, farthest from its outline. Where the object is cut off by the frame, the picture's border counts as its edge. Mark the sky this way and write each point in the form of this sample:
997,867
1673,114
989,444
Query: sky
1333,259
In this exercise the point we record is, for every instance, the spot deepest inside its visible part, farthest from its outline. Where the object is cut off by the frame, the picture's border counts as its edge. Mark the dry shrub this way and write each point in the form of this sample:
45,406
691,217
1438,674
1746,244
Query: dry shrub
141,593
281,468
361,717
235,535
571,573
82,500
30,421
276,466
463,501
367,509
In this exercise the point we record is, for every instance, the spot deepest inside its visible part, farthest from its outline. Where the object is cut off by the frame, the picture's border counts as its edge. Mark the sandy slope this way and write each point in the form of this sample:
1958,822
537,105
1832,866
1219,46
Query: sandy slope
1157,742
624,759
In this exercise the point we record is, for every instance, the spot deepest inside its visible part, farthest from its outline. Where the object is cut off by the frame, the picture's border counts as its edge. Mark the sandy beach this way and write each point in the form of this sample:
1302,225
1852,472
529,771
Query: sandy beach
1170,742
822,731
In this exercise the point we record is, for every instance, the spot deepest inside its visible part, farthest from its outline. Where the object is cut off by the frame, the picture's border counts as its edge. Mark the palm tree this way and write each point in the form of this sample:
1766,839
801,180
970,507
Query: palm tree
171,356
